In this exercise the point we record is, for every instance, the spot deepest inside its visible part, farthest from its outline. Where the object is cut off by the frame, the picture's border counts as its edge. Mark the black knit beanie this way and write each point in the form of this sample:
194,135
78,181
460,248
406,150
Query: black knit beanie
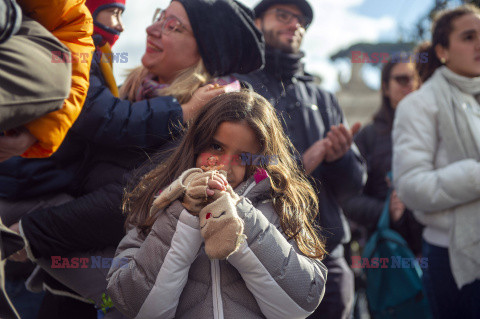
227,38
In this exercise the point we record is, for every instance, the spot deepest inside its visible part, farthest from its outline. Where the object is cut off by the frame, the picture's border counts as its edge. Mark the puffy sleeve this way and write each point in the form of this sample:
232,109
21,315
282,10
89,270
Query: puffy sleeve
155,268
109,121
419,183
71,22
285,283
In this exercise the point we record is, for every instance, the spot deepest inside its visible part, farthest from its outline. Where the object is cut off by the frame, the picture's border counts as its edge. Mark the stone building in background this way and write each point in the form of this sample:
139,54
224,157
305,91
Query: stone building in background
358,101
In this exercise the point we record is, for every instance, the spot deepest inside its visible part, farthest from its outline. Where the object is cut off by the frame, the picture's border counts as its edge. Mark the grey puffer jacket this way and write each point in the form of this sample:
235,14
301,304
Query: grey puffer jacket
167,273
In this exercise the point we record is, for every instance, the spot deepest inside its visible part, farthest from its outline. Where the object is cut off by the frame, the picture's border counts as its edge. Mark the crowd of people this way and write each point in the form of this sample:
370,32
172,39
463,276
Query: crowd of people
134,202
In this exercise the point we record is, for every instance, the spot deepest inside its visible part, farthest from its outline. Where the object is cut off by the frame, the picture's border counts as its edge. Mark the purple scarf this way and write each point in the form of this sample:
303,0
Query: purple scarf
151,88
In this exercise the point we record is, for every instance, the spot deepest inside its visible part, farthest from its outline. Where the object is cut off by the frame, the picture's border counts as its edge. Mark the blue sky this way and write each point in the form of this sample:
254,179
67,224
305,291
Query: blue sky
337,24
406,12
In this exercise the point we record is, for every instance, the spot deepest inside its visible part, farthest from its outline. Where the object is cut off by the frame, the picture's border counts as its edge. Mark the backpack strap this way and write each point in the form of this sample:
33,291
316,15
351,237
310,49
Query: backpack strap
384,220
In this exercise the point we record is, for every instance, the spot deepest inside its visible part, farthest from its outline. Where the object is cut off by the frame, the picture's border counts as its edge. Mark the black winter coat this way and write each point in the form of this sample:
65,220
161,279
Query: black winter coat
307,112
375,144
116,136
24,178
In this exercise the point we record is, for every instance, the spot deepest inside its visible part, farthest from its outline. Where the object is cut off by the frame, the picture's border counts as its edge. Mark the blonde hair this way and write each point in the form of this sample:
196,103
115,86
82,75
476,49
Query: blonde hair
182,88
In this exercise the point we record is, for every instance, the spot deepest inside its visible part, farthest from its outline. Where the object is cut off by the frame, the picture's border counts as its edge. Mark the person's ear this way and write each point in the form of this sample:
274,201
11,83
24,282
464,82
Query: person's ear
442,53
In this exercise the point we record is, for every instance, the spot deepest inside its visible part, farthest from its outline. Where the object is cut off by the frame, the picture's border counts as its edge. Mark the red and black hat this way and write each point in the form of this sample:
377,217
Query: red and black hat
95,6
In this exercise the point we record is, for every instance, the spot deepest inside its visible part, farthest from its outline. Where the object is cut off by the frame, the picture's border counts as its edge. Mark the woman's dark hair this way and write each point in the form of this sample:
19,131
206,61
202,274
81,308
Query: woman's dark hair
385,80
386,112
294,198
420,66
441,29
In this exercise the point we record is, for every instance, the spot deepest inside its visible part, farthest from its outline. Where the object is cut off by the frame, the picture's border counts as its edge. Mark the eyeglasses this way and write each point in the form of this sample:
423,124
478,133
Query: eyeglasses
170,24
285,17
404,79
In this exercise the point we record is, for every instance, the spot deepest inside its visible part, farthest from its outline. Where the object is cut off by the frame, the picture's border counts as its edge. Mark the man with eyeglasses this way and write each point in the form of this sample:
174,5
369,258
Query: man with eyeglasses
315,124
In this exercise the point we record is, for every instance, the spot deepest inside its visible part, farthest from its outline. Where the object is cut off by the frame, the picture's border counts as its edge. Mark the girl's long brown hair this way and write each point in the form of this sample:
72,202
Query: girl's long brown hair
294,199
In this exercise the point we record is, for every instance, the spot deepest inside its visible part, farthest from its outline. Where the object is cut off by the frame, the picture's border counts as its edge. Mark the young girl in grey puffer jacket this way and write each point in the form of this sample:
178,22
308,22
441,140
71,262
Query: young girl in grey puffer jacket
231,241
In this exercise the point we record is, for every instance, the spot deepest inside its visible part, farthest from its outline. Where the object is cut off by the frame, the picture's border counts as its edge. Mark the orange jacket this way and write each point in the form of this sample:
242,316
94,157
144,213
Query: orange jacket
71,22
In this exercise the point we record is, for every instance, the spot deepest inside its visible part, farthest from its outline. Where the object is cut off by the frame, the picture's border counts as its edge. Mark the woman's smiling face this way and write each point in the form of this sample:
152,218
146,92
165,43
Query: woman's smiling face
168,54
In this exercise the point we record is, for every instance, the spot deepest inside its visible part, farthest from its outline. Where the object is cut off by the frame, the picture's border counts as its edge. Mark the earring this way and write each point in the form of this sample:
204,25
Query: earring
443,60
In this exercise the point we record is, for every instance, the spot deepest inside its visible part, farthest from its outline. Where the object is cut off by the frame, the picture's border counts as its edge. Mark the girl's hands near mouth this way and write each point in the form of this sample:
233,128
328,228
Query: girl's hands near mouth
218,181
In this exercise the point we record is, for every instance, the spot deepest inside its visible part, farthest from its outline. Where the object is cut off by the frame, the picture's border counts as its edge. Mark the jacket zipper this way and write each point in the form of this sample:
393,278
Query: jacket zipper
215,274
216,290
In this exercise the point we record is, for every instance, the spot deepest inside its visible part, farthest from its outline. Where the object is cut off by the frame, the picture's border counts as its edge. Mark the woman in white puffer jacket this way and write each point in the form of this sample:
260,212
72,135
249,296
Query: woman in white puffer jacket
436,168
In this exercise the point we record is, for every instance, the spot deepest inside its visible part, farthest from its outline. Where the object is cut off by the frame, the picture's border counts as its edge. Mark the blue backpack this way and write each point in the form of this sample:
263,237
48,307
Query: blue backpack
394,284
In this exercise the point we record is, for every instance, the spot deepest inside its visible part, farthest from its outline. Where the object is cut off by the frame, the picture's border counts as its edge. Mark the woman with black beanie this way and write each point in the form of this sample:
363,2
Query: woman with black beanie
192,47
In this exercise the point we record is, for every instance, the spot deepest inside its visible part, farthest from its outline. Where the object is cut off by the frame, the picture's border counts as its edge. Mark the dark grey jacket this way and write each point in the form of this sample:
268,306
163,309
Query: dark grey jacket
375,144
